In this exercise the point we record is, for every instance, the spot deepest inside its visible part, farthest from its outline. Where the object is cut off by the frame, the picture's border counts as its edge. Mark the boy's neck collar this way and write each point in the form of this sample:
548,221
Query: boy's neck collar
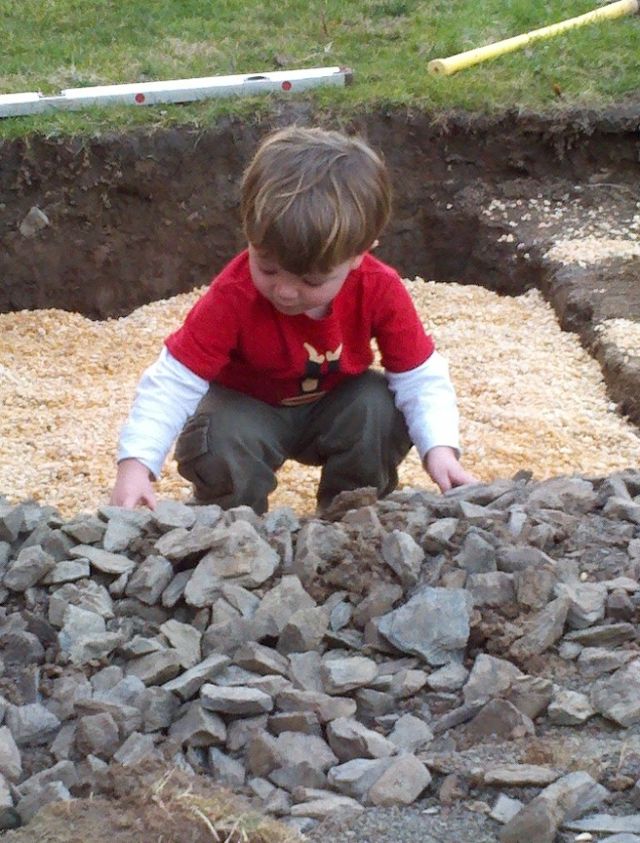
318,313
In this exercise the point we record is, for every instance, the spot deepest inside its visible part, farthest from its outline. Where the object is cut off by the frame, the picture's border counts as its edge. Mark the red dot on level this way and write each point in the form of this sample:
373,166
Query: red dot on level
139,97
286,86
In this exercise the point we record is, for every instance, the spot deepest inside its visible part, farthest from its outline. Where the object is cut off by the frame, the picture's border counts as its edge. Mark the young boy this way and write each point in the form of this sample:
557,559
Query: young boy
272,363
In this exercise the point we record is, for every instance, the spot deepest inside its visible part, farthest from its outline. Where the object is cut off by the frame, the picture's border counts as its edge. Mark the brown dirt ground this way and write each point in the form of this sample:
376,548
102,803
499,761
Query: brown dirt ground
153,804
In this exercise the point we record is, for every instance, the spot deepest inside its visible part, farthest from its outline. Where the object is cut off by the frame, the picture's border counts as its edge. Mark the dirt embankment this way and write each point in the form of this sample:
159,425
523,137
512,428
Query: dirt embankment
139,217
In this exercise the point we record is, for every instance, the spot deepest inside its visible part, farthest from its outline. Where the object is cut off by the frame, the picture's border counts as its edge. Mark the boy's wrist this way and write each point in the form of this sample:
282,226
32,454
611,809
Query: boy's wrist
132,465
439,450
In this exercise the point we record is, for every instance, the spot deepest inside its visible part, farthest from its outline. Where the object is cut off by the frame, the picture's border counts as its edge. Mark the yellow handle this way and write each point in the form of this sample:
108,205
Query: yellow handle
445,67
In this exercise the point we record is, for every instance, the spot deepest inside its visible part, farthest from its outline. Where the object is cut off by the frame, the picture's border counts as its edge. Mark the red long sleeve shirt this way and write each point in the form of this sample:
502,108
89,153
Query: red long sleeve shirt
235,337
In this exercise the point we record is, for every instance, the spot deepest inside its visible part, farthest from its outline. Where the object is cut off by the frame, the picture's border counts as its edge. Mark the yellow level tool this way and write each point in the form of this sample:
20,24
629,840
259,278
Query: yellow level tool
445,67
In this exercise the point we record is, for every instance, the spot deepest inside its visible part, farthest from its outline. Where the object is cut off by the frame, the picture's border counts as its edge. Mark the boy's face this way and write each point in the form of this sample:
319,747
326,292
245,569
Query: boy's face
292,294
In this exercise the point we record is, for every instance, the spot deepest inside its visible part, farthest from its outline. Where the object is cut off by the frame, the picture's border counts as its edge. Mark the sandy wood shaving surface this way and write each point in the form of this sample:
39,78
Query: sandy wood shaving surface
530,397
586,250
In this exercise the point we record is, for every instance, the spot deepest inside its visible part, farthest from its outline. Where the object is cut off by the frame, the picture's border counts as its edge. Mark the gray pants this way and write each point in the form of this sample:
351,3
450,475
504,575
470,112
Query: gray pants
233,445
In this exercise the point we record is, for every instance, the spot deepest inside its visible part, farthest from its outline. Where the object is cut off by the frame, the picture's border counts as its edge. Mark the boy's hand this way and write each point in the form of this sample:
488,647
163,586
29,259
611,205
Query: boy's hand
441,464
133,486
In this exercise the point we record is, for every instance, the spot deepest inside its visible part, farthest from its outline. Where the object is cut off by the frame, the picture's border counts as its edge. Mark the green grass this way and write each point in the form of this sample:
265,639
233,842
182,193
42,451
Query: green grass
52,44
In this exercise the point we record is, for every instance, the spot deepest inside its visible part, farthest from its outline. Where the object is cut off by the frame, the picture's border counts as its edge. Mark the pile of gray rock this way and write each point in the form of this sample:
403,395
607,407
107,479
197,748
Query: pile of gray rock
423,646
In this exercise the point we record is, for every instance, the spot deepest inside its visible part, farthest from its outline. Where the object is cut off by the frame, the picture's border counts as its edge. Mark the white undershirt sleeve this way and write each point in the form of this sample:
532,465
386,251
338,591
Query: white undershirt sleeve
427,399
167,395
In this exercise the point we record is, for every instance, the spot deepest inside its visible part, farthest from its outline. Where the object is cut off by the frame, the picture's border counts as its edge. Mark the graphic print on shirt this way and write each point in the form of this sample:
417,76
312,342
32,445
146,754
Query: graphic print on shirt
313,370
318,365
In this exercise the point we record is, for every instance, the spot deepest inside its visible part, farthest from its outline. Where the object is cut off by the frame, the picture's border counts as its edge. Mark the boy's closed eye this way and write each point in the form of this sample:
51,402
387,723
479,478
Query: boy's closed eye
308,282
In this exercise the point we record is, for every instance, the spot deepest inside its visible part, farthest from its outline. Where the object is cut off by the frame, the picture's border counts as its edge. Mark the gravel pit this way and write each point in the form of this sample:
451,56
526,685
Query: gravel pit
530,397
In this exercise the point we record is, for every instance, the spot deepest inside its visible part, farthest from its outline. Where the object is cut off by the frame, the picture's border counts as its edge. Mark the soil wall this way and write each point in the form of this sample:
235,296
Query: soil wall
142,216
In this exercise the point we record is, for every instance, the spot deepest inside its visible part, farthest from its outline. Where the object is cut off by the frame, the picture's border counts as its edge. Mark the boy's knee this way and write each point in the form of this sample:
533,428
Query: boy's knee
373,399
193,442
222,453
194,454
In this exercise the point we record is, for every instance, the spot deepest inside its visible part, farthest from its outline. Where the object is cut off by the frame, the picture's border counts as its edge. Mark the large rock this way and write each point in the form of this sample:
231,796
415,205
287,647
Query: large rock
587,602
500,719
150,579
78,624
69,570
237,555
410,733
156,668
304,631
103,560
595,661
97,734
119,534
403,555
401,783
29,805
326,707
569,494
261,659
159,709
198,727
30,566
355,777
494,588
627,827
543,630
32,724
530,694
520,775
135,749
225,769
569,708
318,546
280,603
170,515
617,697
606,635
567,798
238,701
489,677
185,640
349,739
187,684
329,806
477,555
183,546
340,675
266,753
433,624
10,758
88,595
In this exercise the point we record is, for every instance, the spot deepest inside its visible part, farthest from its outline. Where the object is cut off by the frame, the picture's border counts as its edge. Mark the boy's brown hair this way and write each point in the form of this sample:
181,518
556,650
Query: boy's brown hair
314,198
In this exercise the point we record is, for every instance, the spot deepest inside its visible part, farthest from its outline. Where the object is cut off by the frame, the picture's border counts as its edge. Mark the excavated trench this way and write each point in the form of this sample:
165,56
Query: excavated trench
511,202
139,217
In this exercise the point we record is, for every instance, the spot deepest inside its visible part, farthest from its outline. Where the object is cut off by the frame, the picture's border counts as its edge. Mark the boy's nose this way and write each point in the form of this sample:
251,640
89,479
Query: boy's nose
284,291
